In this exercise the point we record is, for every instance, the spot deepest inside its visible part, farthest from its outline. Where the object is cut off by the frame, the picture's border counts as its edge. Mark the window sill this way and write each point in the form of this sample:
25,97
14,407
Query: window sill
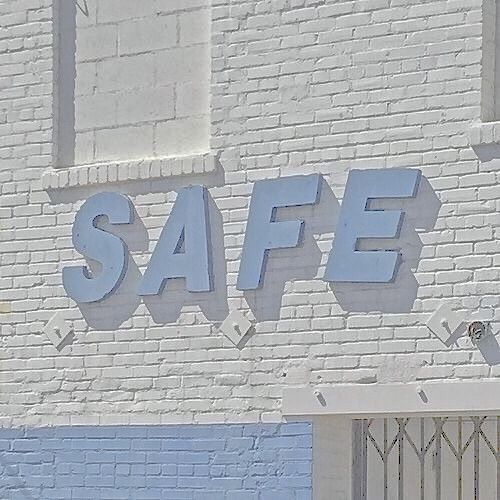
123,171
485,133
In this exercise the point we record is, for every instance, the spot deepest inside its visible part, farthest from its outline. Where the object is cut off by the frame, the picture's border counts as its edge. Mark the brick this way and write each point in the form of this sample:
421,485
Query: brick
271,89
194,27
74,460
111,144
147,35
173,137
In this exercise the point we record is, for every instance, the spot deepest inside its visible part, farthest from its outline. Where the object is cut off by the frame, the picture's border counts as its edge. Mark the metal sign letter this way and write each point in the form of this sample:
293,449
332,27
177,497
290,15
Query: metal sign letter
183,248
263,232
346,263
96,244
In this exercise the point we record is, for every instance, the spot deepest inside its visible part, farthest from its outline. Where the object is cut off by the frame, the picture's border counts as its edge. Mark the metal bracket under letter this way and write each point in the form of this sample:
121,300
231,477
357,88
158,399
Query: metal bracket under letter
446,324
236,327
58,329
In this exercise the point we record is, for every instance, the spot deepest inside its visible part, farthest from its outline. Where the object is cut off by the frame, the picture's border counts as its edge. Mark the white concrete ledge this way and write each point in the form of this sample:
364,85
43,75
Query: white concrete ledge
480,397
482,134
113,172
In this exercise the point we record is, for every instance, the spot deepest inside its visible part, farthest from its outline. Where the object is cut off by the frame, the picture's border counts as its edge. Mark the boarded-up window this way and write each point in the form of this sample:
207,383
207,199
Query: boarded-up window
132,79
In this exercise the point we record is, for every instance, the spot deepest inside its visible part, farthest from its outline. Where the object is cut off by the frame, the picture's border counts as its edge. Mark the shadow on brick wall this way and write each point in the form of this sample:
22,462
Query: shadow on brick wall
65,69
490,349
399,296
487,152
295,264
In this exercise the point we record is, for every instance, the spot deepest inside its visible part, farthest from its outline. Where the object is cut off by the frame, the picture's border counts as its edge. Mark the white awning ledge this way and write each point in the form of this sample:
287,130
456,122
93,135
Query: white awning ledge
479,397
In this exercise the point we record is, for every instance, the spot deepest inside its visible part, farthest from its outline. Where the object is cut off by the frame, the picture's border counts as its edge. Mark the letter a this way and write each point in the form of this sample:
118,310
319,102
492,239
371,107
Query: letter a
182,250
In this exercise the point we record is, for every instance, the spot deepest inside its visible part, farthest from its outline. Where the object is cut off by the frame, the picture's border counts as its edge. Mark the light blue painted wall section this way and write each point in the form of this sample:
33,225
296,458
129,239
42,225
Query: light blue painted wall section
193,462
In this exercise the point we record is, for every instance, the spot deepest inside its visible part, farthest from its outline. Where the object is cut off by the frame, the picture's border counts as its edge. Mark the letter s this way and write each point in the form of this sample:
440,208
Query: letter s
96,244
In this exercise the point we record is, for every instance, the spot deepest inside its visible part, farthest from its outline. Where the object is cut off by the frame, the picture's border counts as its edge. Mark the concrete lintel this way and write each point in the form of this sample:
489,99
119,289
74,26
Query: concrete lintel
481,397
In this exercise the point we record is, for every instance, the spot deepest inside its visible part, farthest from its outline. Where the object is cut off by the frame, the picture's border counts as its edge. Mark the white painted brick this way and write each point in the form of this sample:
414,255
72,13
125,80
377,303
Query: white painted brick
275,90
147,35
194,27
118,10
180,65
174,137
134,142
95,111
148,105
103,37
131,72
192,99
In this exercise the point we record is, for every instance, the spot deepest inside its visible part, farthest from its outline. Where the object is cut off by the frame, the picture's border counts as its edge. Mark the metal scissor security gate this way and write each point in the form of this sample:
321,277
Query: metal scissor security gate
440,458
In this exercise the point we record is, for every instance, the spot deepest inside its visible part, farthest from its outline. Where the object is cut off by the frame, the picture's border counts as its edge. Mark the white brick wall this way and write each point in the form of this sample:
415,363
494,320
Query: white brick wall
297,87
